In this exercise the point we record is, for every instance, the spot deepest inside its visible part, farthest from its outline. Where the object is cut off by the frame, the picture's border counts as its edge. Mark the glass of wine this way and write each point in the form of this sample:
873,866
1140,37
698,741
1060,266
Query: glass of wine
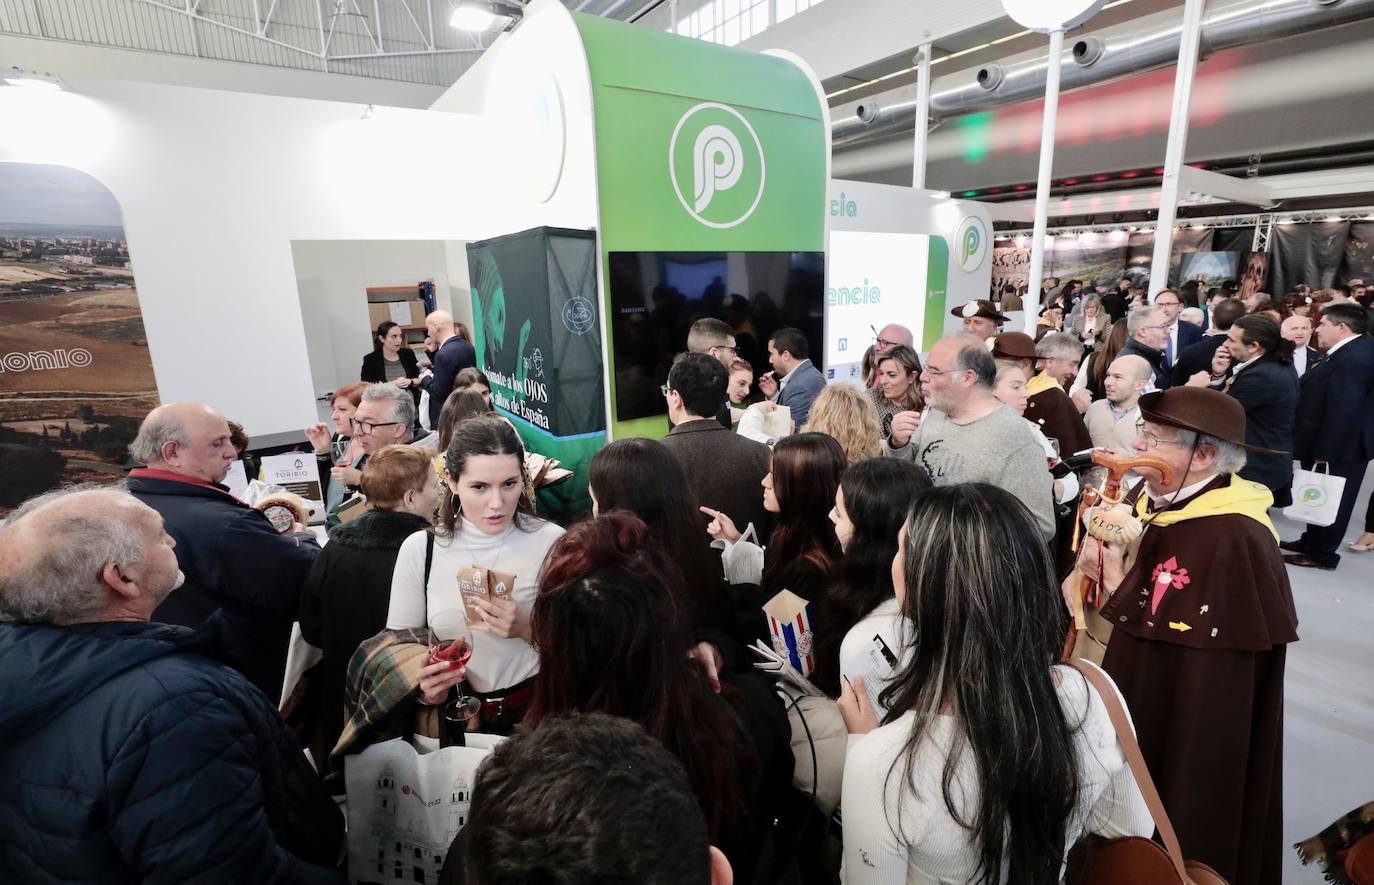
455,644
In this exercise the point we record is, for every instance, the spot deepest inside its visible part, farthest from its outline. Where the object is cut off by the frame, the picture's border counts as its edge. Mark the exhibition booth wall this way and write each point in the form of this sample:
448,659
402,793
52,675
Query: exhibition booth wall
215,187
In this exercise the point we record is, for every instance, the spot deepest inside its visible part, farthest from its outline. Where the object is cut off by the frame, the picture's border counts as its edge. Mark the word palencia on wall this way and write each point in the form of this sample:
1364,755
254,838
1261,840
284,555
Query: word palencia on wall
41,360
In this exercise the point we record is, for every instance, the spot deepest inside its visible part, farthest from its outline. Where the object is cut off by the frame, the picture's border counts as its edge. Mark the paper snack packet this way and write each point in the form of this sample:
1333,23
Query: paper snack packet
500,585
472,585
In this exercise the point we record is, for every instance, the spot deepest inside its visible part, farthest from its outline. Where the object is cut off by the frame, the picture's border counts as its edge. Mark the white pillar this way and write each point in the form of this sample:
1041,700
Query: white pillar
1031,303
918,158
1178,142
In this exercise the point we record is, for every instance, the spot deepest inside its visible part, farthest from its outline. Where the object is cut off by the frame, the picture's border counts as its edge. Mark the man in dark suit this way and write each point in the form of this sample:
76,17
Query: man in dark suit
1335,424
1179,335
1266,385
452,355
1298,329
794,382
725,469
1197,357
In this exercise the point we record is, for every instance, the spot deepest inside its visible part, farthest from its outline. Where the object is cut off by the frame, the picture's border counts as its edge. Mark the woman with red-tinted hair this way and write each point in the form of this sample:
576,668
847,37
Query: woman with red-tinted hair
611,626
803,553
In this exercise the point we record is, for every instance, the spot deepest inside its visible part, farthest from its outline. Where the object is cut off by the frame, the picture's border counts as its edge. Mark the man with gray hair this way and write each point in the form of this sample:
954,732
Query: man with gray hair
1201,621
967,435
1049,407
1147,331
129,753
385,417
234,560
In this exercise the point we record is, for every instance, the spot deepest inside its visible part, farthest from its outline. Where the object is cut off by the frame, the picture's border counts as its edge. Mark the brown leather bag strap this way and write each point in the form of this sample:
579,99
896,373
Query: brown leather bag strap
1125,736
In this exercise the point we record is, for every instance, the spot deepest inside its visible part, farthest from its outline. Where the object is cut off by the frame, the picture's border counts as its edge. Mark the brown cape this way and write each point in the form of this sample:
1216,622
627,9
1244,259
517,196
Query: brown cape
1201,624
1057,417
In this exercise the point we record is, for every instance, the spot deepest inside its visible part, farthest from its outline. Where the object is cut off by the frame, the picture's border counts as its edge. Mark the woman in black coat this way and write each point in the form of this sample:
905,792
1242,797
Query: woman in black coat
347,594
1267,386
390,360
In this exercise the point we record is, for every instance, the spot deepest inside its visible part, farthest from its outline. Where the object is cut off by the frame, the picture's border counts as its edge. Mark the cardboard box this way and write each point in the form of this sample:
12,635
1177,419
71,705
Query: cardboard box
412,311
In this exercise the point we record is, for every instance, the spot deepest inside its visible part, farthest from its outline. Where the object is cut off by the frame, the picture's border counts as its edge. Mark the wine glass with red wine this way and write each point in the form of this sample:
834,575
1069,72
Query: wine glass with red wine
455,644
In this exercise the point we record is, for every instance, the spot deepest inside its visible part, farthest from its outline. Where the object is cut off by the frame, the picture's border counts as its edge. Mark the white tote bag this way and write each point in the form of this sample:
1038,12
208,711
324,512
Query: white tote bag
405,807
1316,496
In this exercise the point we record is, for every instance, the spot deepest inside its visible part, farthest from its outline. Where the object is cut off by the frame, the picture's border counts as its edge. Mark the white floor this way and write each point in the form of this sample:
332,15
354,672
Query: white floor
1329,697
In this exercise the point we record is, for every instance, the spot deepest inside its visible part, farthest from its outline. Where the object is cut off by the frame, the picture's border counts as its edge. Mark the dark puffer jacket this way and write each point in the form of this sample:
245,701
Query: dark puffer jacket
128,754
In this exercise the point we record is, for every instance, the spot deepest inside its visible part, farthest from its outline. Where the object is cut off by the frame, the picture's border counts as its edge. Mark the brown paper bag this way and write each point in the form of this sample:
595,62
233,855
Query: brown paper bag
472,585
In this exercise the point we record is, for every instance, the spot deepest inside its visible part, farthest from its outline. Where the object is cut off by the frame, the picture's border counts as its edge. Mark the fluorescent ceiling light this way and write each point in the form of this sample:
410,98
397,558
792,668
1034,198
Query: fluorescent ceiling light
940,195
485,15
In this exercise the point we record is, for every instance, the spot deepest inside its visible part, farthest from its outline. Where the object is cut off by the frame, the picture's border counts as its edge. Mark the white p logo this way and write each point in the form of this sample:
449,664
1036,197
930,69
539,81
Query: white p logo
717,162
726,155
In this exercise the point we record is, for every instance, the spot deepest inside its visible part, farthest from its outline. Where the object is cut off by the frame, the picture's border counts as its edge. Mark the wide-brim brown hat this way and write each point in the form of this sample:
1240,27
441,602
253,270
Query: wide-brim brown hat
979,308
1200,410
1013,346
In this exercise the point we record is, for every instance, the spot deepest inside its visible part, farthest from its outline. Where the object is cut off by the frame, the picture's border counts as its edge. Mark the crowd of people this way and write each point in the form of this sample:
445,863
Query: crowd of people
910,554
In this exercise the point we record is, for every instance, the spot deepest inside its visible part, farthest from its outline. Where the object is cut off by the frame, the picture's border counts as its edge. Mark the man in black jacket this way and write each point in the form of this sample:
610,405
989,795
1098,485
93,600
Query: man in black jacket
128,752
1146,333
451,355
1335,424
1266,385
1197,357
724,468
233,558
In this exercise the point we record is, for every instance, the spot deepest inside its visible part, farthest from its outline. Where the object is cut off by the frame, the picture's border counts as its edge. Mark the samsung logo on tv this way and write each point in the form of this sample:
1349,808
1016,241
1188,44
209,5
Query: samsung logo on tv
864,294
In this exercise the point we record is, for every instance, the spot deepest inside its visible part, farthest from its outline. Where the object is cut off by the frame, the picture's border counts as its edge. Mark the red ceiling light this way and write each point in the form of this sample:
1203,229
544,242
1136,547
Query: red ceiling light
1131,174
1159,170
1022,187
1100,177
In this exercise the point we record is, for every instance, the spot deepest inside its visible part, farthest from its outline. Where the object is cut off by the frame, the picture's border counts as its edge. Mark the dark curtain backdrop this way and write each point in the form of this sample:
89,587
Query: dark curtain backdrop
1306,253
1358,261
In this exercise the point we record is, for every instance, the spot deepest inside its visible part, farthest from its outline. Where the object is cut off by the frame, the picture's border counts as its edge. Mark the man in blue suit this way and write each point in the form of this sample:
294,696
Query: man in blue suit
794,382
1181,334
1335,424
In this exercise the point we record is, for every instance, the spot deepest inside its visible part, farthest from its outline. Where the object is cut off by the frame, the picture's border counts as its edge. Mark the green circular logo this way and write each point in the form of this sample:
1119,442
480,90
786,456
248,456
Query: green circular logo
971,243
1312,496
715,160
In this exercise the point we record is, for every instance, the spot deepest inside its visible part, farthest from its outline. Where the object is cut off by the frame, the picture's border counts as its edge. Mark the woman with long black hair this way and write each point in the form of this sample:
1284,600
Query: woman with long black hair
643,477
803,553
992,759
870,506
610,623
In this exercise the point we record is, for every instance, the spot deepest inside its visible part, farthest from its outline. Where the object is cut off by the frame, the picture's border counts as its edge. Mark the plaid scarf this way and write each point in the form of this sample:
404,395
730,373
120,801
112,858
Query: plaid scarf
383,676
1329,846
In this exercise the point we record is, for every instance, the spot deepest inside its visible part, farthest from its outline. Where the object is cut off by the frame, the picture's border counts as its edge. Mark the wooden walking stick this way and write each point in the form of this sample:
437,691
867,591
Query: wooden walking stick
1111,521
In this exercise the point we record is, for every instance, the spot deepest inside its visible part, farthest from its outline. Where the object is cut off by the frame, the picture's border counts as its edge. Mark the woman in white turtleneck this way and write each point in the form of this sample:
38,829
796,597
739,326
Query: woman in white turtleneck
487,521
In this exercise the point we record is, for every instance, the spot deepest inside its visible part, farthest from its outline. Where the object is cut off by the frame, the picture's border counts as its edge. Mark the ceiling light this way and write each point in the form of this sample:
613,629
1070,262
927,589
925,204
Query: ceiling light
940,195
17,76
485,15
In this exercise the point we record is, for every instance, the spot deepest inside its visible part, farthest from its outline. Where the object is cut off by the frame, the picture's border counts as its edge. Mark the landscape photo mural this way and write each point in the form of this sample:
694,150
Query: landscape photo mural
75,373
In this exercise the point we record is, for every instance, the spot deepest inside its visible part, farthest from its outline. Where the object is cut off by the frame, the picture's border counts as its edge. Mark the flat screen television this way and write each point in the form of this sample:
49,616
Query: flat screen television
656,296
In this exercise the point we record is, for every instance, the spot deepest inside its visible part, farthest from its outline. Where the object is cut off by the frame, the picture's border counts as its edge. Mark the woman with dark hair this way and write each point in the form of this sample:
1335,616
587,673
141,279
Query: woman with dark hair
476,380
870,506
1092,375
610,623
643,477
991,761
487,524
391,361
460,404
1264,381
802,553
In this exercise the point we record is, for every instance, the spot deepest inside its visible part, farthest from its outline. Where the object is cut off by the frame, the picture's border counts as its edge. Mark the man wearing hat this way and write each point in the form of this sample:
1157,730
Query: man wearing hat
1049,407
1202,616
980,318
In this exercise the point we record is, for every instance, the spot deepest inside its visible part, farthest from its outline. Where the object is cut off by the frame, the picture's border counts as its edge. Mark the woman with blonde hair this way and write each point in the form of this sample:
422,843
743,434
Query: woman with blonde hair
1090,325
898,388
844,412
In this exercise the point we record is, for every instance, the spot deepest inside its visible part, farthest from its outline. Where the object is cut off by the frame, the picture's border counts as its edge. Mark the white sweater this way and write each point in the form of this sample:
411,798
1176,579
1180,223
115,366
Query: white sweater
496,662
932,847
884,621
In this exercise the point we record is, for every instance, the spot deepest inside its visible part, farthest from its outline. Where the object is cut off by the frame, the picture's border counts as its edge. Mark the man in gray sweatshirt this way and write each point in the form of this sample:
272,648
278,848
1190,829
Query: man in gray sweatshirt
967,435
